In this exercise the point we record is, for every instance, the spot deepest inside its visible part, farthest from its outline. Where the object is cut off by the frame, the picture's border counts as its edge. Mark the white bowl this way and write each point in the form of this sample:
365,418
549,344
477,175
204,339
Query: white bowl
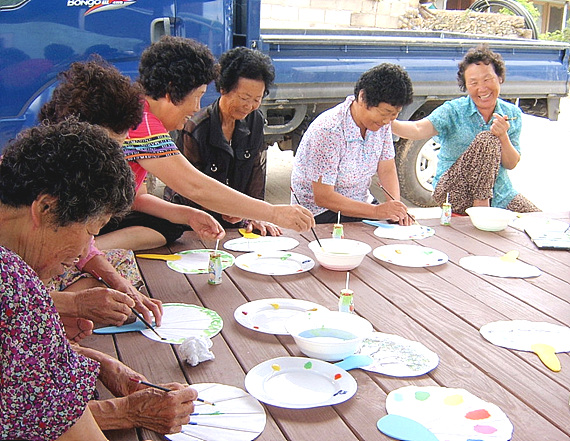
340,254
490,218
328,335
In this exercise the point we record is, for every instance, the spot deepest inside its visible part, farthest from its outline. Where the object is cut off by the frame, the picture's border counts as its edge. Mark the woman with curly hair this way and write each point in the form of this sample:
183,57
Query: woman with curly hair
59,184
225,139
174,73
345,146
479,136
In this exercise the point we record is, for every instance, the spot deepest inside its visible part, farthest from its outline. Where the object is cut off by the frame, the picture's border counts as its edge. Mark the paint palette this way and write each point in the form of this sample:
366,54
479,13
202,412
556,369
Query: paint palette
196,261
414,256
181,320
401,232
299,383
433,413
236,415
275,263
262,243
499,267
396,356
269,315
544,339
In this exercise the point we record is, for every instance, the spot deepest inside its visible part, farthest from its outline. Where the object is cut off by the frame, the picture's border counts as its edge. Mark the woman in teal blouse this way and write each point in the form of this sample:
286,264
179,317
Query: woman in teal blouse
479,136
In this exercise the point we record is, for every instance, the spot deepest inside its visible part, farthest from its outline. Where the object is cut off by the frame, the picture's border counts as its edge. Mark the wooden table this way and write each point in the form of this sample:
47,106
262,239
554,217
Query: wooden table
443,307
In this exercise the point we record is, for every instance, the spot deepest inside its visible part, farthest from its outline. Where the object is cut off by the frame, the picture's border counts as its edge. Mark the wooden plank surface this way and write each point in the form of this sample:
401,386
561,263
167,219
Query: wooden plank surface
443,307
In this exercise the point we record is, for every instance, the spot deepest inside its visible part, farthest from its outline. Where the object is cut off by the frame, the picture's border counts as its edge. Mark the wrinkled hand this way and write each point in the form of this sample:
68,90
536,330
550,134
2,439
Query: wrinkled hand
395,211
231,219
163,412
116,376
77,328
295,217
205,225
500,125
103,305
264,228
145,305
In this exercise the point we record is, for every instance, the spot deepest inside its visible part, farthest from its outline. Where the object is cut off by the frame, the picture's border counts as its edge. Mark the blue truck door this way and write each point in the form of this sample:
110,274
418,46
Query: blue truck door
39,39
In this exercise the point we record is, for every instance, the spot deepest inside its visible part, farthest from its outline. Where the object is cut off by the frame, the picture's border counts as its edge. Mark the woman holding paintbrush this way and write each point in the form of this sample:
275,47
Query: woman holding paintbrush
479,136
59,185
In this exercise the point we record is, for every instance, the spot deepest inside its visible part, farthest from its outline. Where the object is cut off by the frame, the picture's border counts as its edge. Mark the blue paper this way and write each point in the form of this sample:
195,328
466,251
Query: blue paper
378,223
131,327
404,429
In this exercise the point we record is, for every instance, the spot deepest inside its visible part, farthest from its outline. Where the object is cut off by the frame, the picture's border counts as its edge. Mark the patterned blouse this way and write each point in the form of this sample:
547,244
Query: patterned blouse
333,148
44,384
458,122
150,140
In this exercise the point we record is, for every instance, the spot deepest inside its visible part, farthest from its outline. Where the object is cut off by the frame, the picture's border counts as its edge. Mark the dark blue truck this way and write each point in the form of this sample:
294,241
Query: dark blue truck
314,69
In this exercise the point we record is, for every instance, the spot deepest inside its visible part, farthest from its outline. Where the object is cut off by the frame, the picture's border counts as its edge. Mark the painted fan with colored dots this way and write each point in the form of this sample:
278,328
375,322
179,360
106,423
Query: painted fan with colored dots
299,383
433,413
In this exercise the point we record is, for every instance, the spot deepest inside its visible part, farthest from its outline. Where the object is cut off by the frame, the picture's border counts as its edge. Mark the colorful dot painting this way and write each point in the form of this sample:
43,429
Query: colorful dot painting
449,414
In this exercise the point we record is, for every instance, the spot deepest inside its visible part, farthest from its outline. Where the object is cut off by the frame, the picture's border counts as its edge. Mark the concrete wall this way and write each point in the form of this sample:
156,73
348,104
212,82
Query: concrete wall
333,14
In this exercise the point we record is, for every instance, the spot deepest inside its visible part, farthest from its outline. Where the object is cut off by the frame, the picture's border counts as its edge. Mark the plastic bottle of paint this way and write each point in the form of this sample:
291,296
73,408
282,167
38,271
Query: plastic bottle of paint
215,269
346,301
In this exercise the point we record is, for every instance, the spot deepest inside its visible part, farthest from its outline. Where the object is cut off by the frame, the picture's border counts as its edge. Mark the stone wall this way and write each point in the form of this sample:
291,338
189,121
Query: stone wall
383,14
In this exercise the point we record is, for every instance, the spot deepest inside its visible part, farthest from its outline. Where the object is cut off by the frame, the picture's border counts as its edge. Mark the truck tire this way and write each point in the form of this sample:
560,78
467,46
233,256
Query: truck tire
416,162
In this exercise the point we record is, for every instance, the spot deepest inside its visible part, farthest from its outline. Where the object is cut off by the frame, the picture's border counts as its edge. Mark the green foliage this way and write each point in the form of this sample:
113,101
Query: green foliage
563,35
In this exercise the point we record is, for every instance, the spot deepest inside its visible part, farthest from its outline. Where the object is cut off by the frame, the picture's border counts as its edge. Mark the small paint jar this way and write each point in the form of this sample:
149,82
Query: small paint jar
346,301
215,269
338,231
445,214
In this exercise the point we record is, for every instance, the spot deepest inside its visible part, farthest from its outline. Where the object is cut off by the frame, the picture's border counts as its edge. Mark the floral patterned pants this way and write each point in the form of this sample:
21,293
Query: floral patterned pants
473,175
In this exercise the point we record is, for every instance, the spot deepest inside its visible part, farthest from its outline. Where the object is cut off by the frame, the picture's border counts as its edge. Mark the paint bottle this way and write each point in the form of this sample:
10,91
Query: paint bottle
215,268
346,301
338,231
446,212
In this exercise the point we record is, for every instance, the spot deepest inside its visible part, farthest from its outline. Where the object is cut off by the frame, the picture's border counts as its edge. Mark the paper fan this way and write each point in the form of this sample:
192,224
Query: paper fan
235,415
441,413
401,232
544,339
396,356
505,266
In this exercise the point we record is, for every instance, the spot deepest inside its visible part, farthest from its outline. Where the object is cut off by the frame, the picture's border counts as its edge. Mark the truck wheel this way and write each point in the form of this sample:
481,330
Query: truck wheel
416,162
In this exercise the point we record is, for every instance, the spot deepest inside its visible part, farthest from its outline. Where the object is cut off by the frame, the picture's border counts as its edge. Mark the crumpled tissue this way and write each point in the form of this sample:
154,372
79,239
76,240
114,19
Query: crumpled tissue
196,349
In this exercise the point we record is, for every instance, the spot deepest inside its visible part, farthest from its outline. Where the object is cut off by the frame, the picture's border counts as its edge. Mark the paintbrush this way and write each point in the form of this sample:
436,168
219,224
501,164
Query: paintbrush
412,218
165,389
133,310
312,229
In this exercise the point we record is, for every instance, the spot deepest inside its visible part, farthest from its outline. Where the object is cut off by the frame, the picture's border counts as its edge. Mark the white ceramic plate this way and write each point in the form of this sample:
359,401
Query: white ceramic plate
400,232
299,383
396,356
261,244
269,315
196,261
181,320
236,415
275,263
495,266
410,255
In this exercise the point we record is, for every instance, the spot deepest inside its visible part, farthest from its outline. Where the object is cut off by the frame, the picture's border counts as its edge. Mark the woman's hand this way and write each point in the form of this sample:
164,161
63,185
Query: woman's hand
395,211
77,328
145,305
296,217
500,125
205,225
264,228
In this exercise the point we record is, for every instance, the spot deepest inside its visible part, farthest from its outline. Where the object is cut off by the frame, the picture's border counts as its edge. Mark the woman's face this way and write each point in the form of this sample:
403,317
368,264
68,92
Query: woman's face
179,113
243,99
483,86
59,247
373,118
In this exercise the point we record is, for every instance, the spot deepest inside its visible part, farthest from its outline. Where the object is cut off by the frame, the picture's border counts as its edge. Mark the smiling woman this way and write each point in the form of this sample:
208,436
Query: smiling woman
479,136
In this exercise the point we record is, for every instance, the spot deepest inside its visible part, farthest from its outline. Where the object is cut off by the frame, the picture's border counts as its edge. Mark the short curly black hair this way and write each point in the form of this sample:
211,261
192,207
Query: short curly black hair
242,62
176,66
75,162
477,55
385,83
95,92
